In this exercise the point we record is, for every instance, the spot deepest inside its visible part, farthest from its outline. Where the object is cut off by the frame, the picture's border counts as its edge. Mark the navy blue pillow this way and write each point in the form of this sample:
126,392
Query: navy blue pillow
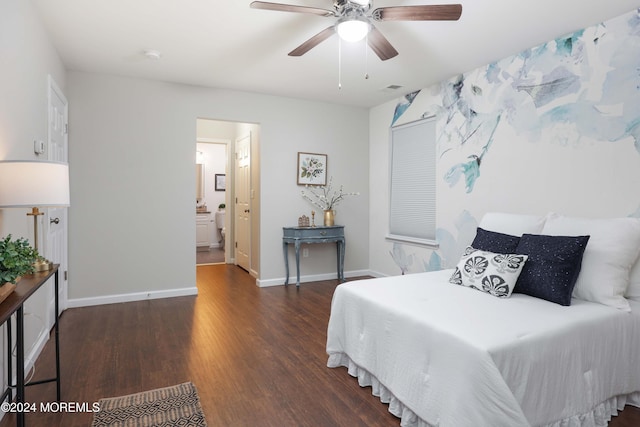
497,243
553,266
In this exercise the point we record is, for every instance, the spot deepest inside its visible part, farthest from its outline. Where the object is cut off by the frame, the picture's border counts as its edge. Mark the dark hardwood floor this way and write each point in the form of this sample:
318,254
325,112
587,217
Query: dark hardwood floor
257,357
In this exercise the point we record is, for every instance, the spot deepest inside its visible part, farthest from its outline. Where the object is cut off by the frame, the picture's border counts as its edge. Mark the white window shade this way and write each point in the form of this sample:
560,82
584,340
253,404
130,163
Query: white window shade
412,215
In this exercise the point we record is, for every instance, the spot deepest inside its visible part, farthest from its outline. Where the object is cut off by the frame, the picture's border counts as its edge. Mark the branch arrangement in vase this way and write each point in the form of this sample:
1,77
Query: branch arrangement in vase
325,197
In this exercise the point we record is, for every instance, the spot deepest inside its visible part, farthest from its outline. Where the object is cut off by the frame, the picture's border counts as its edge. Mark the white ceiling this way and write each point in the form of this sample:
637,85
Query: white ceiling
226,44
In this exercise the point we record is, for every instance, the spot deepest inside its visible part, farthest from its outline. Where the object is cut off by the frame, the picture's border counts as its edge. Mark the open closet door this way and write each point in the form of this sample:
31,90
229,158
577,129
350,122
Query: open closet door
55,222
243,202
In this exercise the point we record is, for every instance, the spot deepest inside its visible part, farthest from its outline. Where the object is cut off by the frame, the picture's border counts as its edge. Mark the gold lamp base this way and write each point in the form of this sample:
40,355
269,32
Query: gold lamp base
42,264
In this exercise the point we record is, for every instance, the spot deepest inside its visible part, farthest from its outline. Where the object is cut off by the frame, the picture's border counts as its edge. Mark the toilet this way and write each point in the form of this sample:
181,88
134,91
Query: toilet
220,226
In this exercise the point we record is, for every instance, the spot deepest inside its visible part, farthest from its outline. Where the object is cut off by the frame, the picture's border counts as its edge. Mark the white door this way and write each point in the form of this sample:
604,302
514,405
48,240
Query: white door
243,202
55,222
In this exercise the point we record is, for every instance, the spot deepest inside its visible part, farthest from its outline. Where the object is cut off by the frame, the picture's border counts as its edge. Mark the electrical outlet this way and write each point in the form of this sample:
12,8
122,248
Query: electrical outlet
305,252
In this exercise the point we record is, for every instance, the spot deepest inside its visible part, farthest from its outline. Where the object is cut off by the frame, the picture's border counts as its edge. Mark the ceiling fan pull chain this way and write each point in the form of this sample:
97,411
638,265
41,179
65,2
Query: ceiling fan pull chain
366,57
339,64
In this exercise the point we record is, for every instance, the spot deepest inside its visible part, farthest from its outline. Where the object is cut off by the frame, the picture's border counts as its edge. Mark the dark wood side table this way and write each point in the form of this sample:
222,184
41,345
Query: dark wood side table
15,304
319,234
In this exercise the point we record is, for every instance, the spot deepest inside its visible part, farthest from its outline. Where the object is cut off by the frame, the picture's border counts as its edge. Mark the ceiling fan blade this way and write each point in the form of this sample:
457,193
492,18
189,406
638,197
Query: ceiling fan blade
291,8
313,42
380,45
434,12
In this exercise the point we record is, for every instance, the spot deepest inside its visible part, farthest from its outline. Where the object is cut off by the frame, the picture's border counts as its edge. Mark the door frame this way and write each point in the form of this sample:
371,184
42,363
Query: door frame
233,132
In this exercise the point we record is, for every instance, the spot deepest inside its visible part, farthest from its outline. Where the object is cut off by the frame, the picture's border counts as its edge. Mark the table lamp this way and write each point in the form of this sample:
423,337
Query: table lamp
34,184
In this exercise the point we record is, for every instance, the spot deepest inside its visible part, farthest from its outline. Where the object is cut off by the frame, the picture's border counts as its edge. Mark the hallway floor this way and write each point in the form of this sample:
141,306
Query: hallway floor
212,256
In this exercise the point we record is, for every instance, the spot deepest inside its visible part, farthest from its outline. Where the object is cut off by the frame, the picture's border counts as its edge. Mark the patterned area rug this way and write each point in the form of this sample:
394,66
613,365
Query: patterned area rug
178,405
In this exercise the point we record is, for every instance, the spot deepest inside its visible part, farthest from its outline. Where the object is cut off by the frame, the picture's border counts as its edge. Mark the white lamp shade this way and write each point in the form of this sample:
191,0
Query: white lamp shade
33,184
352,30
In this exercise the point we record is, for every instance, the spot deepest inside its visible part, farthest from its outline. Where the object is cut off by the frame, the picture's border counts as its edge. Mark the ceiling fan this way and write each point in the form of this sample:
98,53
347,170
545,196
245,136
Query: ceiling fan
354,21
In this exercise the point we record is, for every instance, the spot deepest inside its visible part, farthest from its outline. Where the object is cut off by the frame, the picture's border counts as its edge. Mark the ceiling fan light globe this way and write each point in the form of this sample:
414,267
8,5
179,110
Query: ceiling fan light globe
361,2
352,30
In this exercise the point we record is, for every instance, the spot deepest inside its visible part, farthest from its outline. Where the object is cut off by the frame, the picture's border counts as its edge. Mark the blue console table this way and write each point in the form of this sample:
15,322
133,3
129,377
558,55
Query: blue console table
319,234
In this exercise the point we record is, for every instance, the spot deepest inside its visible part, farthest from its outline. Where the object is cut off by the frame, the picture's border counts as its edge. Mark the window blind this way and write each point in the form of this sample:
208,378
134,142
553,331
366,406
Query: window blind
413,180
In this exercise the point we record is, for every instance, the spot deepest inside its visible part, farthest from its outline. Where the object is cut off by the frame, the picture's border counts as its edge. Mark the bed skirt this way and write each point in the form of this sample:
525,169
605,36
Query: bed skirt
598,417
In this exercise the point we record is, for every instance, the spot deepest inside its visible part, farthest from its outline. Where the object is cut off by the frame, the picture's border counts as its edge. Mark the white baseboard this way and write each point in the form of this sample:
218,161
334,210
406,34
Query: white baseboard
138,296
311,278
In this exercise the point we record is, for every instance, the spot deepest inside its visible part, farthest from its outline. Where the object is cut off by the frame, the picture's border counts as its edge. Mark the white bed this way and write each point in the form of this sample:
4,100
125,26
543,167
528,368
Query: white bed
447,355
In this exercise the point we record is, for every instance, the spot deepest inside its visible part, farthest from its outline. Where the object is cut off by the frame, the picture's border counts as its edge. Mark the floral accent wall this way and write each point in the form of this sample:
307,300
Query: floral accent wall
553,128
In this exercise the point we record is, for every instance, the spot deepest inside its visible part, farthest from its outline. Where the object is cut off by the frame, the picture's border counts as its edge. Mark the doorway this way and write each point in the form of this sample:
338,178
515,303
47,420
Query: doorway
219,180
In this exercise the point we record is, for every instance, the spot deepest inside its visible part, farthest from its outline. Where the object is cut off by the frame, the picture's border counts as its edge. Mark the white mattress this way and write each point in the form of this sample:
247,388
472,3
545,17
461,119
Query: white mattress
446,355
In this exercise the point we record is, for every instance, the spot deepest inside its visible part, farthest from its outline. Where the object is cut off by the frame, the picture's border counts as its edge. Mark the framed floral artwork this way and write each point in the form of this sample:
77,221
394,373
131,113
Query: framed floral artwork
312,169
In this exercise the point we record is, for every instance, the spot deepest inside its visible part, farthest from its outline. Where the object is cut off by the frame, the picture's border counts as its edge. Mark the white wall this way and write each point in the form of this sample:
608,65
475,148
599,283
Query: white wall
27,59
132,175
214,161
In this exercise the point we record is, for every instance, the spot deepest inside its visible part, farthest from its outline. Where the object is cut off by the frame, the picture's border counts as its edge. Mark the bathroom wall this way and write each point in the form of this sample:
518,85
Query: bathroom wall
553,128
214,159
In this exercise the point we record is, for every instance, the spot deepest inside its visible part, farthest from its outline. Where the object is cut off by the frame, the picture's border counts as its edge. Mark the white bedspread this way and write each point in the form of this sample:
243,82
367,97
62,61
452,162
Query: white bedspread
454,356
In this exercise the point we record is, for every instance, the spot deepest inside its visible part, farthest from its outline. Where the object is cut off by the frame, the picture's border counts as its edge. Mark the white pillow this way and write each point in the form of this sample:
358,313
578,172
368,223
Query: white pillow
633,291
513,224
495,274
612,249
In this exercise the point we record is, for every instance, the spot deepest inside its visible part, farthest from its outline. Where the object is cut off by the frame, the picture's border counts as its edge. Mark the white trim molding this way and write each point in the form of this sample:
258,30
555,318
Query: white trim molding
138,296
311,278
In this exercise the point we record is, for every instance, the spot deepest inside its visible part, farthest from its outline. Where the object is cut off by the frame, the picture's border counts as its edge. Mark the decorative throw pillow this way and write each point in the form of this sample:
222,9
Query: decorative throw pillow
513,224
612,250
495,274
492,241
553,266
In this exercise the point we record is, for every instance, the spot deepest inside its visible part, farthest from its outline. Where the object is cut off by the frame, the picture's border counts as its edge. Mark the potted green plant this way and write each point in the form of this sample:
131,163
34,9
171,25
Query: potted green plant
16,259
